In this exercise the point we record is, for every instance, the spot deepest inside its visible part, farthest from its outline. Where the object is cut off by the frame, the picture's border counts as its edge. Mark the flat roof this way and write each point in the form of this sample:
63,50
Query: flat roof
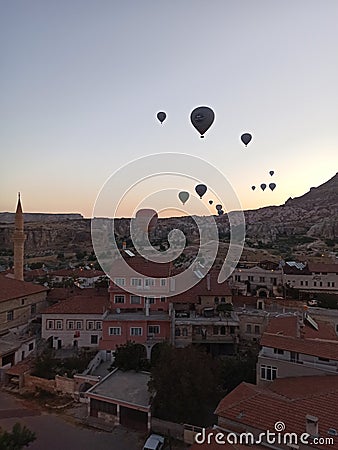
137,316
128,387
11,342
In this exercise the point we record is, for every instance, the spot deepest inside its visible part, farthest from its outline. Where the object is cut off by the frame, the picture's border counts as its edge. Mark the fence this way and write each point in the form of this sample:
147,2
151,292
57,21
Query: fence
164,427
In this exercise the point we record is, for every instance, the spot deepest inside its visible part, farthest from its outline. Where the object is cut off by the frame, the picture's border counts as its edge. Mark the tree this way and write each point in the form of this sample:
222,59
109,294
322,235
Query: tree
18,438
186,383
235,369
131,356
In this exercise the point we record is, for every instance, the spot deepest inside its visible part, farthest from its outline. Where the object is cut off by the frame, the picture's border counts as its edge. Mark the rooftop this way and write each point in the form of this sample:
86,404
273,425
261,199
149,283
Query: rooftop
11,288
11,341
128,387
80,304
136,316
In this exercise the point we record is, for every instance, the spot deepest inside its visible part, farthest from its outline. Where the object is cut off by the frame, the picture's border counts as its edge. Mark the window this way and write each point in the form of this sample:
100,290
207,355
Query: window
33,308
294,357
268,373
148,282
30,346
23,301
10,315
250,278
120,281
248,328
70,325
136,282
323,359
114,331
162,299
261,279
306,283
59,324
163,282
98,325
50,324
119,298
257,330
215,330
216,300
320,283
278,351
94,339
79,324
301,282
237,278
90,325
315,283
185,331
153,329
135,300
150,299
177,332
135,331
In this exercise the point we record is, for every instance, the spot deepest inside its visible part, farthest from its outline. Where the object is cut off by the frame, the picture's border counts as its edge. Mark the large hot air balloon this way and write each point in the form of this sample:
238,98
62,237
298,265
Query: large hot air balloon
253,187
246,138
263,186
272,186
161,116
218,207
211,202
271,172
201,189
146,219
202,119
183,196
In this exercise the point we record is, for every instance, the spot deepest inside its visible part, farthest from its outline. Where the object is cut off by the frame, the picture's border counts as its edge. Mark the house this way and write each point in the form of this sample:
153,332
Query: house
75,322
295,406
122,398
297,346
14,348
83,278
311,277
20,302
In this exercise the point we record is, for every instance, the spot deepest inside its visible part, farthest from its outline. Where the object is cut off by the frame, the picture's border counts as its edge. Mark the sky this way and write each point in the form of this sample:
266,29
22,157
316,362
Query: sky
81,82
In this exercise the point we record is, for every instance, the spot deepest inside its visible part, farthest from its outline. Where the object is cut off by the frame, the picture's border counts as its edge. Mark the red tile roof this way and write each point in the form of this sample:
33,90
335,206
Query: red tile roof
322,267
143,267
80,304
11,288
77,273
288,400
285,333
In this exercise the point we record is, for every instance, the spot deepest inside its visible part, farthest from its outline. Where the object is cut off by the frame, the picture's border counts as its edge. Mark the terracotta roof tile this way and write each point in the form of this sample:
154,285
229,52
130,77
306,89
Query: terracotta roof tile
11,288
80,304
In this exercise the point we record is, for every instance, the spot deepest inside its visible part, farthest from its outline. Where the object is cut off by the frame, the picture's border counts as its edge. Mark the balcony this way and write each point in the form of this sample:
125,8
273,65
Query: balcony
213,339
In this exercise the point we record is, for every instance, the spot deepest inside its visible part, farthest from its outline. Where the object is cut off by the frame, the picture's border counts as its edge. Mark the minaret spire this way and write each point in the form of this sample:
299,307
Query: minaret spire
19,241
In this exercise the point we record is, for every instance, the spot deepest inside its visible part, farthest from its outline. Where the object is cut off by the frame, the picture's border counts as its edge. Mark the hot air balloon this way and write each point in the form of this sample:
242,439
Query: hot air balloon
272,186
253,187
161,116
246,138
202,119
211,202
271,172
263,186
183,196
201,189
146,219
219,207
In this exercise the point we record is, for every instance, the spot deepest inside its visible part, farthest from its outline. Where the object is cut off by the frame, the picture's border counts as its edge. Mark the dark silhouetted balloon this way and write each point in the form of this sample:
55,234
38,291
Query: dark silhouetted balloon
218,207
211,202
202,119
183,196
263,186
253,187
201,189
220,212
246,138
271,172
272,186
161,116
146,219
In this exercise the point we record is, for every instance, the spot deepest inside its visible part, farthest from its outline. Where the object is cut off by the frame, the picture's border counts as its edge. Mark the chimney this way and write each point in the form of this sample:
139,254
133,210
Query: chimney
311,425
208,282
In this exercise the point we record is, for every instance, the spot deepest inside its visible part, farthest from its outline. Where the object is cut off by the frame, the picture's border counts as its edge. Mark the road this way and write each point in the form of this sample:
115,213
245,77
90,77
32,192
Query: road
56,433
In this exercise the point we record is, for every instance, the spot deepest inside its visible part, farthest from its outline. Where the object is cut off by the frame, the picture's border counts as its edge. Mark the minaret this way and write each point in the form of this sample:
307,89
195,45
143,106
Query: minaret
19,240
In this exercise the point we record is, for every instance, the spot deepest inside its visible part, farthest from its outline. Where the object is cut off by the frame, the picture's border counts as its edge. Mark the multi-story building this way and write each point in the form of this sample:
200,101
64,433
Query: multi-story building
262,279
297,346
311,277
75,322
20,302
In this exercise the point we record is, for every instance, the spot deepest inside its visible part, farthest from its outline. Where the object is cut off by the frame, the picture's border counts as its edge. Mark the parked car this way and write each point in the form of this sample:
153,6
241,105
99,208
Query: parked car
154,442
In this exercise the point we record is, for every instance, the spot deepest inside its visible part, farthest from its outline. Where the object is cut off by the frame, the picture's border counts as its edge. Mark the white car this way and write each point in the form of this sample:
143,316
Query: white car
154,442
